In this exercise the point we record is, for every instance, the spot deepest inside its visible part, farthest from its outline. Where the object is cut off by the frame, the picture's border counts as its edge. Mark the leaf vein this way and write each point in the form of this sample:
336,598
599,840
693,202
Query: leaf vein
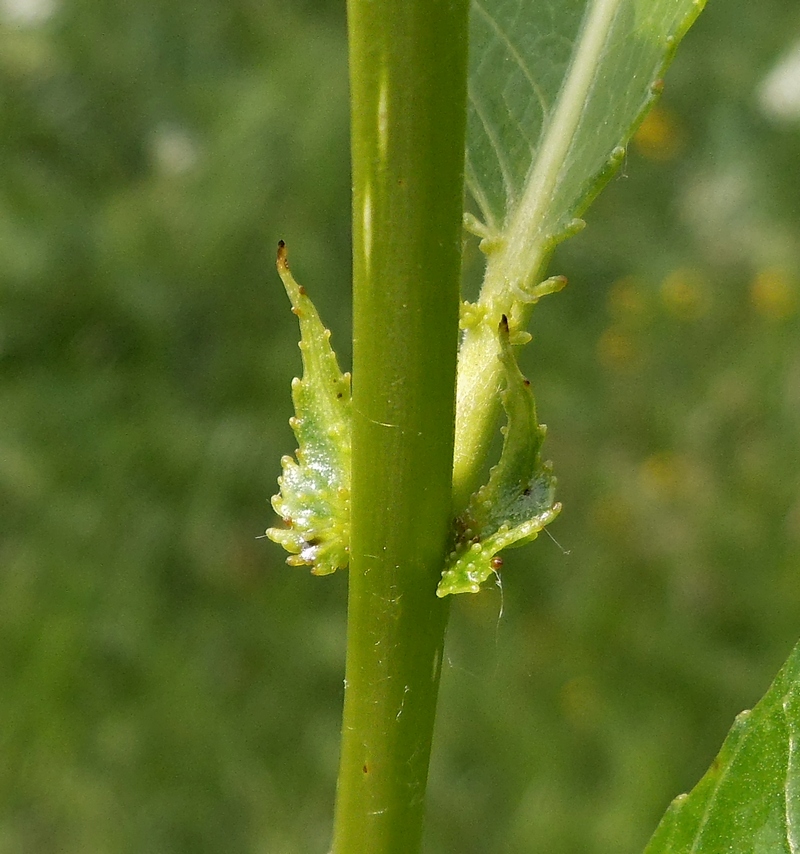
476,189
506,40
525,223
791,827
491,135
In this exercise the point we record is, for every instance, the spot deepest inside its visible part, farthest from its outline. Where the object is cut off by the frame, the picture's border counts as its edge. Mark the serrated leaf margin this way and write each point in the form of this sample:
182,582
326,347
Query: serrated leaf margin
517,501
314,497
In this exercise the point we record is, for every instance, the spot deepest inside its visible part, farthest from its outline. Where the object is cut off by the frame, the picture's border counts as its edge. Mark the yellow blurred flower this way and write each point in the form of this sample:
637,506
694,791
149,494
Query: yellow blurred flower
581,702
610,513
684,294
660,136
773,294
616,349
664,474
626,298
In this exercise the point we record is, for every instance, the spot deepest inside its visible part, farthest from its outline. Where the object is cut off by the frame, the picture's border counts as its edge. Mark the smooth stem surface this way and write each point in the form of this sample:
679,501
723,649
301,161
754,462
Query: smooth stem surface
408,65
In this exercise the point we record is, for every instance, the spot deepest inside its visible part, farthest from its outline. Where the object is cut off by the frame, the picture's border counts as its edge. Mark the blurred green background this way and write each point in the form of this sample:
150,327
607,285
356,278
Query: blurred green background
167,684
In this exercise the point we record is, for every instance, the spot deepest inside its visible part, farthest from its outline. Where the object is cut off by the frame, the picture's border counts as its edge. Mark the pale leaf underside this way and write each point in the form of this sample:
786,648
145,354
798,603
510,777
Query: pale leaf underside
556,88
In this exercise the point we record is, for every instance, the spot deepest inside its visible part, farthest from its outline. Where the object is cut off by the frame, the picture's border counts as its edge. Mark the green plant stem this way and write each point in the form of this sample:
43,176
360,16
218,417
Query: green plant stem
408,66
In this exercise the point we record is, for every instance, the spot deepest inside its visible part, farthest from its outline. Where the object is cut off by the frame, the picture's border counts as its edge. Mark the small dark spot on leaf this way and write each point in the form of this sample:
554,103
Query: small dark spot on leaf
365,769
526,382
526,491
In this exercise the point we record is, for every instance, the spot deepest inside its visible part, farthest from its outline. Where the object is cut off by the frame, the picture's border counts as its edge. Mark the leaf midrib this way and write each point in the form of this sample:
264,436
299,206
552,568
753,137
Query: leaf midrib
522,240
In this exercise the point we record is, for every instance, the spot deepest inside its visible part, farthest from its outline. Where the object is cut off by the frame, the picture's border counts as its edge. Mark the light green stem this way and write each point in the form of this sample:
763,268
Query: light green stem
408,65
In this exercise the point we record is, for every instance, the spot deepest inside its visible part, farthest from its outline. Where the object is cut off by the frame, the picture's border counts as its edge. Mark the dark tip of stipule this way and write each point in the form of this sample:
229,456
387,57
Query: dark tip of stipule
282,259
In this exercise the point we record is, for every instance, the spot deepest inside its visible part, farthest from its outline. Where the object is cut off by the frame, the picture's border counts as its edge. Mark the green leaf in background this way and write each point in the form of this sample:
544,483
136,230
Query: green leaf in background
314,501
749,800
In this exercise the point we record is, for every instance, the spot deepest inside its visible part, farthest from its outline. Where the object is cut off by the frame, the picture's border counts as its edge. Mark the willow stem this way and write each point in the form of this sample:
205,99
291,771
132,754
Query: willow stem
408,66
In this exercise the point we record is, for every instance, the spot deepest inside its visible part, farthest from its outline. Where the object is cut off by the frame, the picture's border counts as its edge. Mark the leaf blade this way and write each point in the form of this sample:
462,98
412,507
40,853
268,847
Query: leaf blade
517,60
555,94
749,799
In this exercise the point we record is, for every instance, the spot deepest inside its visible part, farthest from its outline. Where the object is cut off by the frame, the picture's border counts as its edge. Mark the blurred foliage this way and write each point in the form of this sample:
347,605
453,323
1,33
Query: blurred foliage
166,683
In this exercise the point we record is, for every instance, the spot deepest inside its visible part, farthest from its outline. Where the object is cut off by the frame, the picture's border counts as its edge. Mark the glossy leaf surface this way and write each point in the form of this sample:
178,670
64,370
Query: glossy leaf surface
749,800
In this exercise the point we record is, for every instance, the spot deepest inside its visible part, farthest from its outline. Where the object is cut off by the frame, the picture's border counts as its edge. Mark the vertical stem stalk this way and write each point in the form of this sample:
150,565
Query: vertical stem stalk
408,64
